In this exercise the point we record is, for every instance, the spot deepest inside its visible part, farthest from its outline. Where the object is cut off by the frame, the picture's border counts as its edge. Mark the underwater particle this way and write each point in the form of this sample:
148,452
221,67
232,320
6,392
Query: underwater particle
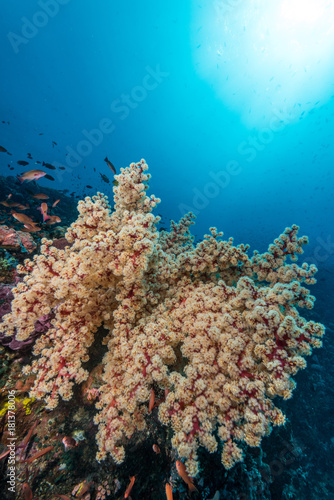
110,165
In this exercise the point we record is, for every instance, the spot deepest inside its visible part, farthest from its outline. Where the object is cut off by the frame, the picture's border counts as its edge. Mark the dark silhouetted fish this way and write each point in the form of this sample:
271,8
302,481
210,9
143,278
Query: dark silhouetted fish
23,163
54,144
49,177
110,165
62,168
3,150
48,165
89,187
105,178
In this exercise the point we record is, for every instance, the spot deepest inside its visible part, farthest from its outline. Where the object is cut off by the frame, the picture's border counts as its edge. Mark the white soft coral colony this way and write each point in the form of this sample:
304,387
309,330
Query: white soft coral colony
218,331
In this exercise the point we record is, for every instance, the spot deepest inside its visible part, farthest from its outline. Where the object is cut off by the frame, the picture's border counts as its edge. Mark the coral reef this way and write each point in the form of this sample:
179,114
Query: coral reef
217,331
11,239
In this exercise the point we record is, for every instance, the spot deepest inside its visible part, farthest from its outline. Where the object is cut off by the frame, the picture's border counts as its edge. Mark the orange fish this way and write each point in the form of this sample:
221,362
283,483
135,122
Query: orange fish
53,219
43,209
151,402
40,196
23,218
182,472
30,228
129,488
31,175
55,203
38,454
26,492
156,449
69,442
169,492
22,207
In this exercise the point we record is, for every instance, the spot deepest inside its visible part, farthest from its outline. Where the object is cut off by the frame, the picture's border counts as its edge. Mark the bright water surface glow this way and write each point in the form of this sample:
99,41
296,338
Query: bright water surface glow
260,56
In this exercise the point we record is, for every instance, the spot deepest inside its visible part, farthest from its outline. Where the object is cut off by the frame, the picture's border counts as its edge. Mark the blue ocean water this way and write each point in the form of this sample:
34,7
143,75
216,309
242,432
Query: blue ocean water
230,105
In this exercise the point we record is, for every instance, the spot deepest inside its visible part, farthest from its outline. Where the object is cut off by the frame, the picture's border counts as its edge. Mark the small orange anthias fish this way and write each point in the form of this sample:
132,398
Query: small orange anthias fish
169,492
23,218
55,203
40,196
69,442
26,492
31,175
156,449
151,402
44,209
182,472
53,219
31,228
129,488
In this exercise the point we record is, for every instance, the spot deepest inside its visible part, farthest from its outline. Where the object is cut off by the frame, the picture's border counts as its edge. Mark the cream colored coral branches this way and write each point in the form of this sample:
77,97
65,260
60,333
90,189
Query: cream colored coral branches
217,333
